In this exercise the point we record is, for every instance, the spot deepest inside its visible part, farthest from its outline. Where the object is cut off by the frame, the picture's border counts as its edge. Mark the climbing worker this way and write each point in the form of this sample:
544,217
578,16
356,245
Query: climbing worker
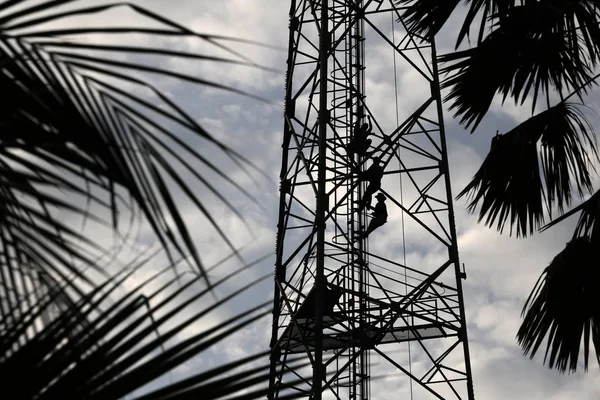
360,143
379,216
372,175
331,298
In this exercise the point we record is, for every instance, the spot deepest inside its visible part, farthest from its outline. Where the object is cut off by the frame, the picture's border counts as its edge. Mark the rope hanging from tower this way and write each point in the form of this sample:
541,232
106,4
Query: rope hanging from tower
401,197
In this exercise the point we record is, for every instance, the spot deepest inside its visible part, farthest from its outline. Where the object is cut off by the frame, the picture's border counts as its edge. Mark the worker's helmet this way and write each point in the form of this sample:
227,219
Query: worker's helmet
381,197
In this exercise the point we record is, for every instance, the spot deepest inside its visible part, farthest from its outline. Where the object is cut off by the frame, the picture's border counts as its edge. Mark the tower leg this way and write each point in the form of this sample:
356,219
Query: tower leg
391,305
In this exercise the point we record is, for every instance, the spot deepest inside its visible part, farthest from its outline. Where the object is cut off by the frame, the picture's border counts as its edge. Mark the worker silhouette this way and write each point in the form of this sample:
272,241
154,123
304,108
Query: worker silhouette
379,217
360,142
372,175
331,297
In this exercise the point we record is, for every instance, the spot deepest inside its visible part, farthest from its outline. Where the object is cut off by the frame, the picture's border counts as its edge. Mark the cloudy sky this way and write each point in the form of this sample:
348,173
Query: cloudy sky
501,270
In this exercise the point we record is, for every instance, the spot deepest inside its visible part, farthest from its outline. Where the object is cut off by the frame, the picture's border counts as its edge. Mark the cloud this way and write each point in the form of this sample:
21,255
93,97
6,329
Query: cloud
501,270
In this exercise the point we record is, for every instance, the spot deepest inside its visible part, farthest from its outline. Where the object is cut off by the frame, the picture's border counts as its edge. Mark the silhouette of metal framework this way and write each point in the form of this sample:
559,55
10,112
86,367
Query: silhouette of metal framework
383,315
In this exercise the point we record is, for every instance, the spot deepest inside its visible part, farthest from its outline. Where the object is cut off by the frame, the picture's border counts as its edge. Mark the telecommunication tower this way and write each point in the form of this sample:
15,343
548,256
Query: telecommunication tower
365,316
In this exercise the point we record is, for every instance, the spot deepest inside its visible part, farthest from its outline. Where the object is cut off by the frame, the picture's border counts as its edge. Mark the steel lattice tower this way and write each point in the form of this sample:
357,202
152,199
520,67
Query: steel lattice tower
356,319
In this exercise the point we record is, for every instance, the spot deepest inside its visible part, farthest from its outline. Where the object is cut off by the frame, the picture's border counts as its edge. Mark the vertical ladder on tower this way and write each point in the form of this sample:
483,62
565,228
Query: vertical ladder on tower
347,107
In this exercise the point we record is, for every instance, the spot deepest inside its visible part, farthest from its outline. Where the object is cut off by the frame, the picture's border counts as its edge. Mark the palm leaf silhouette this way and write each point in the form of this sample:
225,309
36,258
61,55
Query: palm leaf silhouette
564,307
509,186
521,57
77,137
426,17
126,342
588,224
576,20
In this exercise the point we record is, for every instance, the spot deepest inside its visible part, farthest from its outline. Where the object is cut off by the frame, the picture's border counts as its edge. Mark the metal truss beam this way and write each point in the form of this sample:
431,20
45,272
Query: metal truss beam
368,315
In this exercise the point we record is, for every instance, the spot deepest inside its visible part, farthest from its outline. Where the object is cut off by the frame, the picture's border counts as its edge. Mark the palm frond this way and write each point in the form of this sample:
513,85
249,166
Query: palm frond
426,17
564,306
568,152
126,344
520,57
508,184
72,135
576,20
205,386
588,224
589,220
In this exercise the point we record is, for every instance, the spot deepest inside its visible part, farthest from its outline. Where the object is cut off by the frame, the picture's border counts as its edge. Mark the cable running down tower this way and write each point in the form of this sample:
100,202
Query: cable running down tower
368,299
